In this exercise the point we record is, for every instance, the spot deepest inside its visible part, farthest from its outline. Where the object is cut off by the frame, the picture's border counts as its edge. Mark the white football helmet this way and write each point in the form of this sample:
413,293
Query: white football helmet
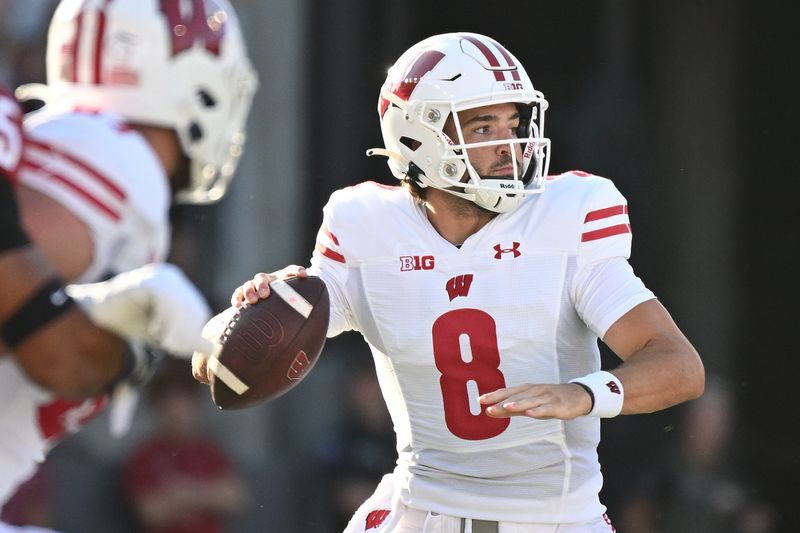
179,64
437,78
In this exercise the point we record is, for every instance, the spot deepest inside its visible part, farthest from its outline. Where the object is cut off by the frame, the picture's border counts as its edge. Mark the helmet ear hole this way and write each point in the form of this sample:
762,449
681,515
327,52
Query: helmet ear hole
206,98
411,144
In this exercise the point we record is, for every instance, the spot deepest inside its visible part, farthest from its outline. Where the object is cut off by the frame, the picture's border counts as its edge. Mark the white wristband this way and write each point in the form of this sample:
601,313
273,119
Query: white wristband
607,393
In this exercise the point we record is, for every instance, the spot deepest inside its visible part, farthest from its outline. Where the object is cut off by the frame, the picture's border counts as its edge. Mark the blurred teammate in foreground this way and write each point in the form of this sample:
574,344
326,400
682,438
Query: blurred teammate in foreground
144,103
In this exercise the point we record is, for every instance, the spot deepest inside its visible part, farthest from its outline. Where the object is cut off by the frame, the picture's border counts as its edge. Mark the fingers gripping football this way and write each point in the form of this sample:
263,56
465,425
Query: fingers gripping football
258,288
248,292
264,349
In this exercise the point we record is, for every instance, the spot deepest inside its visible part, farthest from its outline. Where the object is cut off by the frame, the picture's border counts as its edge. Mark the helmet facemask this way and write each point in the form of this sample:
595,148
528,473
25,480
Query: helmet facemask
213,136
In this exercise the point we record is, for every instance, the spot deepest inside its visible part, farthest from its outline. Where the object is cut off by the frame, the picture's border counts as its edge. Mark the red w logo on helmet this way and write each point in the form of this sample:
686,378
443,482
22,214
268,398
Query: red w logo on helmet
199,26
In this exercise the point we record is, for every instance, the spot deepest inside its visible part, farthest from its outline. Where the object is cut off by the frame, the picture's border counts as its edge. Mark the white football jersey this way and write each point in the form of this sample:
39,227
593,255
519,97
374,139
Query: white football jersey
523,300
107,175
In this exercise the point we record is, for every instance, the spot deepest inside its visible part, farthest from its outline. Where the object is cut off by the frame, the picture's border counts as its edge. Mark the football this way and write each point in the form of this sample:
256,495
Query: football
265,349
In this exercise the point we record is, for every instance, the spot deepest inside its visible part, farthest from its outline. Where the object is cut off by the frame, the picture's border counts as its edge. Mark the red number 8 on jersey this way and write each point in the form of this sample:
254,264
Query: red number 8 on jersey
10,133
482,371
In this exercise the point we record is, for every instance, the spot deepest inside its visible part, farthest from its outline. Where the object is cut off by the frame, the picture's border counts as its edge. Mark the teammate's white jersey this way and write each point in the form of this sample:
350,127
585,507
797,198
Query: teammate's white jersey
523,300
107,175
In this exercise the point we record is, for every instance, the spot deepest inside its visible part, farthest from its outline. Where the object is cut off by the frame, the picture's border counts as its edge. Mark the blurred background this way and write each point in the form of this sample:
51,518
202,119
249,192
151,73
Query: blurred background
687,105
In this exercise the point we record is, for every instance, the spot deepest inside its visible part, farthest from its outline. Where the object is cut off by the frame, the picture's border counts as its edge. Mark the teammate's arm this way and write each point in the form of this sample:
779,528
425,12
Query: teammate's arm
67,354
57,345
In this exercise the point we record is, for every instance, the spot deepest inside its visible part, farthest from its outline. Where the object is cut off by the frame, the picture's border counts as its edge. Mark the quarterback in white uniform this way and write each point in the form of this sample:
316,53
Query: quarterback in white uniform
482,288
134,114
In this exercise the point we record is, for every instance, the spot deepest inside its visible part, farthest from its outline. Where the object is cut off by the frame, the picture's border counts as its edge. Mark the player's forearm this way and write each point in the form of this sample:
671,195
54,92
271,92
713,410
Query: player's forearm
68,355
665,372
72,357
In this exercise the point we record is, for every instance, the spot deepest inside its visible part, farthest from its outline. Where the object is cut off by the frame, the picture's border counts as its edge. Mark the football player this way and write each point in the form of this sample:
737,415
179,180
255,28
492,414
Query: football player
145,103
482,286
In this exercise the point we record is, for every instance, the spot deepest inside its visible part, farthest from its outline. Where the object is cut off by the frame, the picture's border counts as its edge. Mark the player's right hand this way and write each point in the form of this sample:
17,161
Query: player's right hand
250,292
256,289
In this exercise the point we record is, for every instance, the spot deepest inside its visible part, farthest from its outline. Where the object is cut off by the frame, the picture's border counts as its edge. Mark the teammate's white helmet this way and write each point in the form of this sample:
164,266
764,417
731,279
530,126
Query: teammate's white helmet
435,79
179,64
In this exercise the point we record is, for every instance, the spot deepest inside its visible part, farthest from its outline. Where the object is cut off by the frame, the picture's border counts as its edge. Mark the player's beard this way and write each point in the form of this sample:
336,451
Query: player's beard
461,207
467,208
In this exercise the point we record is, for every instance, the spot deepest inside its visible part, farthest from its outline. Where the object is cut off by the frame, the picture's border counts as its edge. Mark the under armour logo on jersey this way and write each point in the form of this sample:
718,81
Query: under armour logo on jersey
376,518
458,286
613,387
513,250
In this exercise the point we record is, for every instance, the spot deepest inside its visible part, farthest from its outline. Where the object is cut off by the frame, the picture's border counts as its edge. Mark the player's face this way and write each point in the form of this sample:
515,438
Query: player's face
490,123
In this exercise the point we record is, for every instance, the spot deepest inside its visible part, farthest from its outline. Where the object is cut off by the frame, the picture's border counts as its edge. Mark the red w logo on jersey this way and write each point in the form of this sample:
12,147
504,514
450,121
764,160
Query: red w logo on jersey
376,518
613,387
206,23
458,286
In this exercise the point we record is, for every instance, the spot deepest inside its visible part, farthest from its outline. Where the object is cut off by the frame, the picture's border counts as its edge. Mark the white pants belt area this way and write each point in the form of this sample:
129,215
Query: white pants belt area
436,523
479,526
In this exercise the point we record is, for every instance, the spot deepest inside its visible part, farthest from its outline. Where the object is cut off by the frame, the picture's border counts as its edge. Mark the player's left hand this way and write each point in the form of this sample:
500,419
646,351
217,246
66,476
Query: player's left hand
564,401
211,332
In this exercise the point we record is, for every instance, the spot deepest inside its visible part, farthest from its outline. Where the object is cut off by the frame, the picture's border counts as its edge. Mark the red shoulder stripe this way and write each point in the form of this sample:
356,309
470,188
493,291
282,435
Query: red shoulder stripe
99,204
331,236
605,232
112,187
330,254
621,209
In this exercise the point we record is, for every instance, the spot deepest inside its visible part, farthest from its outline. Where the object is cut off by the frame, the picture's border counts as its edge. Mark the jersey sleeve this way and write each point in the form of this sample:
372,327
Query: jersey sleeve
606,230
605,287
329,262
107,176
606,290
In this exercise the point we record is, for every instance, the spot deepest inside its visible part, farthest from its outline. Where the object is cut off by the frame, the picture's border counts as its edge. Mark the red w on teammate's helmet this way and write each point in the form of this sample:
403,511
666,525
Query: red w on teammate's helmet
435,79
179,64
